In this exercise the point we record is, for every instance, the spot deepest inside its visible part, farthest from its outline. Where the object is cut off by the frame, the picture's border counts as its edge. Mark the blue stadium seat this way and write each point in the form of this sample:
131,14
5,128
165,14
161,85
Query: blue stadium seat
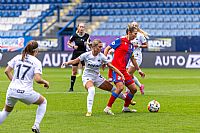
174,19
188,19
181,11
181,18
167,4
146,4
174,11
196,33
166,11
195,19
182,25
196,4
195,26
160,4
186,26
159,11
159,25
188,4
152,18
173,25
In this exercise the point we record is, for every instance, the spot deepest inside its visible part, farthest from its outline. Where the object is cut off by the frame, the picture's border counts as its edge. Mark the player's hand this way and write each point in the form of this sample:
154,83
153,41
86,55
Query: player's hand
136,45
142,74
46,84
123,78
75,47
64,65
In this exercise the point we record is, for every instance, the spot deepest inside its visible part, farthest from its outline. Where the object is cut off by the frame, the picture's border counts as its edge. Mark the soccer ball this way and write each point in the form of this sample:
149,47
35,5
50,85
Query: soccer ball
153,106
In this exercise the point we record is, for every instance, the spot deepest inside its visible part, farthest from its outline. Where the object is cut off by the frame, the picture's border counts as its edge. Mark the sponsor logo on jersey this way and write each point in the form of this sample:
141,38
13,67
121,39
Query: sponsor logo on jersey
94,65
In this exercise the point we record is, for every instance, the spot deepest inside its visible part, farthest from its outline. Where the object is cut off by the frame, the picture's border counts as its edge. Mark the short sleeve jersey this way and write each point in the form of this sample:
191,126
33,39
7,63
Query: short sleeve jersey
123,52
140,39
92,63
24,72
80,41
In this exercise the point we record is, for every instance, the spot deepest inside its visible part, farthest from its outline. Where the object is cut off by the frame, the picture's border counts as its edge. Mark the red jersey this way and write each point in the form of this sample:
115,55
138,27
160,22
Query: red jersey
123,52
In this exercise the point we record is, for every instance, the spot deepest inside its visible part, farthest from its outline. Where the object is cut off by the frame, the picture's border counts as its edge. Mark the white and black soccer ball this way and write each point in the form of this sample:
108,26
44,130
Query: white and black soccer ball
153,106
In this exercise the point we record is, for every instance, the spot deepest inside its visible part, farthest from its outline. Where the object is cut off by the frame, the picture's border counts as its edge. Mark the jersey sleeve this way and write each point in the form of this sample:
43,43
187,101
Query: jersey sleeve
104,59
143,39
71,39
38,68
82,56
115,43
12,62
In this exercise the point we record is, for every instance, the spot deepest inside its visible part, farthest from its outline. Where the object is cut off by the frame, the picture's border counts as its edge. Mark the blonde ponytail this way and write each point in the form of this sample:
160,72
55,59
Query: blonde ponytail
144,33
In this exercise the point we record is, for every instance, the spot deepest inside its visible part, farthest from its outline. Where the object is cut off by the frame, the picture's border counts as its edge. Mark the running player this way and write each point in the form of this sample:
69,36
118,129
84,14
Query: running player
91,75
26,68
123,52
139,43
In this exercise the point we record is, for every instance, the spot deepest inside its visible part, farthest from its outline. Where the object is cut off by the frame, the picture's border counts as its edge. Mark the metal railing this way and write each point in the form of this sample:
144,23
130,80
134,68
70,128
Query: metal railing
40,21
89,7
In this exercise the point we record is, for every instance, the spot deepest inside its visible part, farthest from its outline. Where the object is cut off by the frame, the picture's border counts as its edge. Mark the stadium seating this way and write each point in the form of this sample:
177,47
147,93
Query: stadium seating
179,16
159,18
16,16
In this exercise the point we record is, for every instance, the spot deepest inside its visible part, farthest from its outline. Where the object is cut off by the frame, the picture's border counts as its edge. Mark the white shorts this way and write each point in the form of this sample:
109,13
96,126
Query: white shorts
27,97
97,80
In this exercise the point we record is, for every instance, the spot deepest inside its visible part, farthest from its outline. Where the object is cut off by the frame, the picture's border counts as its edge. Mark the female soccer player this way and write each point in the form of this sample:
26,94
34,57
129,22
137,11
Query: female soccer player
26,68
91,75
139,43
80,39
123,52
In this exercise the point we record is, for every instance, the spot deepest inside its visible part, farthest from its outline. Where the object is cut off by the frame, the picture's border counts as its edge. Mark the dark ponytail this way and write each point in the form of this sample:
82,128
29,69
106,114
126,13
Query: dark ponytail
29,49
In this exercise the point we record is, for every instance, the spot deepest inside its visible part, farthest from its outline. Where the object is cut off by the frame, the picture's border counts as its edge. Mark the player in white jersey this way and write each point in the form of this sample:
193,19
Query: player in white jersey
139,43
91,75
26,68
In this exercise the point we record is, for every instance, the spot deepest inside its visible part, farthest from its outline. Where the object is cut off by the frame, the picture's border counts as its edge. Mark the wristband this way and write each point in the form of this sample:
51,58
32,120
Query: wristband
73,46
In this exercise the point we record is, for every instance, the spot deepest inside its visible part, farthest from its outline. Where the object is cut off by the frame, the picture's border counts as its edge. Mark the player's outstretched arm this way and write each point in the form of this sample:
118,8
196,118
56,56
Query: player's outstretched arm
71,62
142,74
106,50
39,80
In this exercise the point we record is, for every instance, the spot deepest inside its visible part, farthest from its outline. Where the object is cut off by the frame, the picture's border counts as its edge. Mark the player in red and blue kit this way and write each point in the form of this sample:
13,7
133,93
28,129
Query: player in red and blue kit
123,52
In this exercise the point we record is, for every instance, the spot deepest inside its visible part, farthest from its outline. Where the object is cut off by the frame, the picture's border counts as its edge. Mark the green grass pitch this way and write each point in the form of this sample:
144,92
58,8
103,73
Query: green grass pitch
177,90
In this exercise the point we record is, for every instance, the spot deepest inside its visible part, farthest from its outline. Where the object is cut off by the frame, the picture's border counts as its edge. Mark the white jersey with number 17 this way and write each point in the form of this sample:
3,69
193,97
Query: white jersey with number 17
24,71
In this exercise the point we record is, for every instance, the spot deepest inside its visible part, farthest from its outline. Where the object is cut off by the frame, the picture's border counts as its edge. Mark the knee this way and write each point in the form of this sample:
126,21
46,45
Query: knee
134,90
44,101
74,72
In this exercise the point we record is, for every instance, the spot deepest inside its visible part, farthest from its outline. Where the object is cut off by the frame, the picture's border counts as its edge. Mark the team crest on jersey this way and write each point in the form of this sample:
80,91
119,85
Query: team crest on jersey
118,78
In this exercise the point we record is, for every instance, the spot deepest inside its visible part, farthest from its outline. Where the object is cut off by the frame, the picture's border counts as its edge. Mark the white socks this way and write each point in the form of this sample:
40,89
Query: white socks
121,95
137,82
40,112
3,115
90,98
